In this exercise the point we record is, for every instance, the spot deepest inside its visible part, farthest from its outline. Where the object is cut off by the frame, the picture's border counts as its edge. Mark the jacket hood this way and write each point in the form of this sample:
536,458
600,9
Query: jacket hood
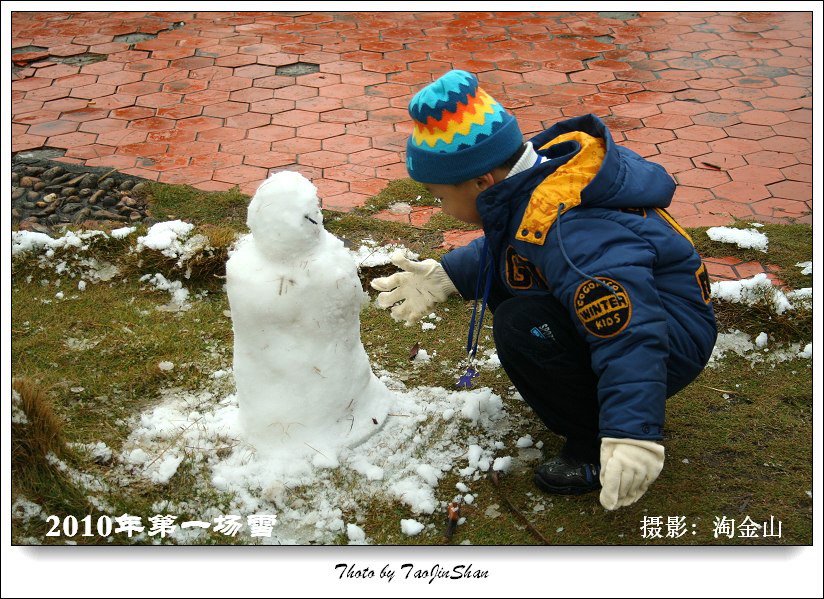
624,179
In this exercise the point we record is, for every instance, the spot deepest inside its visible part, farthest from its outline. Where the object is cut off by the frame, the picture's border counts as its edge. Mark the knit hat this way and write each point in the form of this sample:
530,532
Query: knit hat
460,131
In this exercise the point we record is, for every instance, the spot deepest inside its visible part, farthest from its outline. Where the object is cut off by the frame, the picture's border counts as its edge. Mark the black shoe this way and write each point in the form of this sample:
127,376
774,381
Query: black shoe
565,476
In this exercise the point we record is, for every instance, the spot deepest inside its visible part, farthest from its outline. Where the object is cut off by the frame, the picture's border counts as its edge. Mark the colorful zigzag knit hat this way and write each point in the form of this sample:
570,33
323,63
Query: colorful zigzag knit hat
460,131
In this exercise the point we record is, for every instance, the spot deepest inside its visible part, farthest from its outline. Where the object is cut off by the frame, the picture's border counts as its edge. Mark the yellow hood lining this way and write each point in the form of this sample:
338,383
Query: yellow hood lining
564,186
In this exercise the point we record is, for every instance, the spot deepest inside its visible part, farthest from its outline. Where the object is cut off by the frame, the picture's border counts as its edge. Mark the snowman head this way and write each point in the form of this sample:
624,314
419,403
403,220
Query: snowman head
284,216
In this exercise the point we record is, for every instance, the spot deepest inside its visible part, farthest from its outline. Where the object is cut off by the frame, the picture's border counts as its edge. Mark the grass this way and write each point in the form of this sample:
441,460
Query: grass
789,245
92,359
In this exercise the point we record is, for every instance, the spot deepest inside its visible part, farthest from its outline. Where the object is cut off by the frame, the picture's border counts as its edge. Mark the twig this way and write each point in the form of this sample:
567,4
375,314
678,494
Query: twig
496,482
168,447
719,390
310,447
106,175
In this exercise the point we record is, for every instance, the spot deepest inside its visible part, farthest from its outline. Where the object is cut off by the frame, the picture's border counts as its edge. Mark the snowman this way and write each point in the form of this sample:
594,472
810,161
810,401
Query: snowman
303,377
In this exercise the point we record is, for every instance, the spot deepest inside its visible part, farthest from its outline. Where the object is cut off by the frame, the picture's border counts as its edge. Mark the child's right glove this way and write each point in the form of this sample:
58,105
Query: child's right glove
628,468
418,288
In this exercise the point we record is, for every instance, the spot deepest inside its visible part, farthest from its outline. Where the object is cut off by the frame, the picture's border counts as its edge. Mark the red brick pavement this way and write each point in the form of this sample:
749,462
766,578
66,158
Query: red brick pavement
722,99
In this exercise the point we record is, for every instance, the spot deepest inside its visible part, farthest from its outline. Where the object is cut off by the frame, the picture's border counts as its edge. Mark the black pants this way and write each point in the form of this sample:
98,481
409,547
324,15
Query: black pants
549,363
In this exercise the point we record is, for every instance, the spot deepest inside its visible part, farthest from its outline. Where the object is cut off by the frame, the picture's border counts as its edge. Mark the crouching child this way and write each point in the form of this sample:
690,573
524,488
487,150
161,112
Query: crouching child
601,304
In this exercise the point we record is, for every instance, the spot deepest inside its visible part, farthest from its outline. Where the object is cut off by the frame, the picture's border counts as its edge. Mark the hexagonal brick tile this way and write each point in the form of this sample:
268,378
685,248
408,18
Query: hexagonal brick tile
734,145
777,143
271,133
249,120
70,140
132,113
705,178
162,162
273,106
185,86
152,124
321,130
345,202
207,97
240,174
96,90
26,142
794,129
193,148
349,173
53,128
181,111
251,94
270,159
700,133
673,164
139,88
650,135
757,174
719,161
763,117
199,123
102,125
771,159
667,121
37,116
225,109
781,207
746,131
141,149
684,148
322,159
113,161
217,160
186,176
231,84
295,92
158,100
742,191
736,209
320,104
221,134
295,118
343,115
119,137
171,135
90,151
372,157
76,80
792,190
798,172
296,145
346,144
342,90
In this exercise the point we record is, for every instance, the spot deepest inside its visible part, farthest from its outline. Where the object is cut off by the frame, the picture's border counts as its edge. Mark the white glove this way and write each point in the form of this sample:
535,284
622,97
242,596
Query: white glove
418,288
628,468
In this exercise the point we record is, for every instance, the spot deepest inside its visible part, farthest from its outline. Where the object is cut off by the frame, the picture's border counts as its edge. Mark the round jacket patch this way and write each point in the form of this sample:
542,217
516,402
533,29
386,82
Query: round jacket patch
603,313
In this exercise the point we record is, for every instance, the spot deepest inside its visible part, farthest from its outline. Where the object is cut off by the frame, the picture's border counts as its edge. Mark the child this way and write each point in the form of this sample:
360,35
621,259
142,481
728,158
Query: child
601,303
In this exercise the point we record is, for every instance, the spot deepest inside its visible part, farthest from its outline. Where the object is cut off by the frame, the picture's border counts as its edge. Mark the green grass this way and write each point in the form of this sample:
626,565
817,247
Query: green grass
788,245
404,191
226,208
748,453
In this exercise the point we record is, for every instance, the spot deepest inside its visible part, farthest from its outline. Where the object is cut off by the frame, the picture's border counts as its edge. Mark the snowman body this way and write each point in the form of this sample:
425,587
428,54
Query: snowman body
303,377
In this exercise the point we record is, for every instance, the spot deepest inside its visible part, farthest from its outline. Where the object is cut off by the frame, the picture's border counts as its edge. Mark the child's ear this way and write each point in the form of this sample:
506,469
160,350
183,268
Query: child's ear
484,181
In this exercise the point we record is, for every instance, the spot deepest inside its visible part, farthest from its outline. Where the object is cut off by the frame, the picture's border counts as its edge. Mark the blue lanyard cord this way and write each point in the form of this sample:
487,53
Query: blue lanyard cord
484,272
569,262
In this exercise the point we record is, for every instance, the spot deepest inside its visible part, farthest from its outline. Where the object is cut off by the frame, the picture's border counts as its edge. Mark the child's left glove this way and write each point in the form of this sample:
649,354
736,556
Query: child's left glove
628,468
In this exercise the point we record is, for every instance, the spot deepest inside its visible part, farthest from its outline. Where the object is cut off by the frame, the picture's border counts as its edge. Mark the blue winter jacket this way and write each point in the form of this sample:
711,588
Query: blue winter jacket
630,277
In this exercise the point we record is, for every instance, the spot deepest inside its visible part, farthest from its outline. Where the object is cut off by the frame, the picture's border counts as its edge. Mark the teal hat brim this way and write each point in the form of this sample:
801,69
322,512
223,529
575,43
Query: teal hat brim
427,166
